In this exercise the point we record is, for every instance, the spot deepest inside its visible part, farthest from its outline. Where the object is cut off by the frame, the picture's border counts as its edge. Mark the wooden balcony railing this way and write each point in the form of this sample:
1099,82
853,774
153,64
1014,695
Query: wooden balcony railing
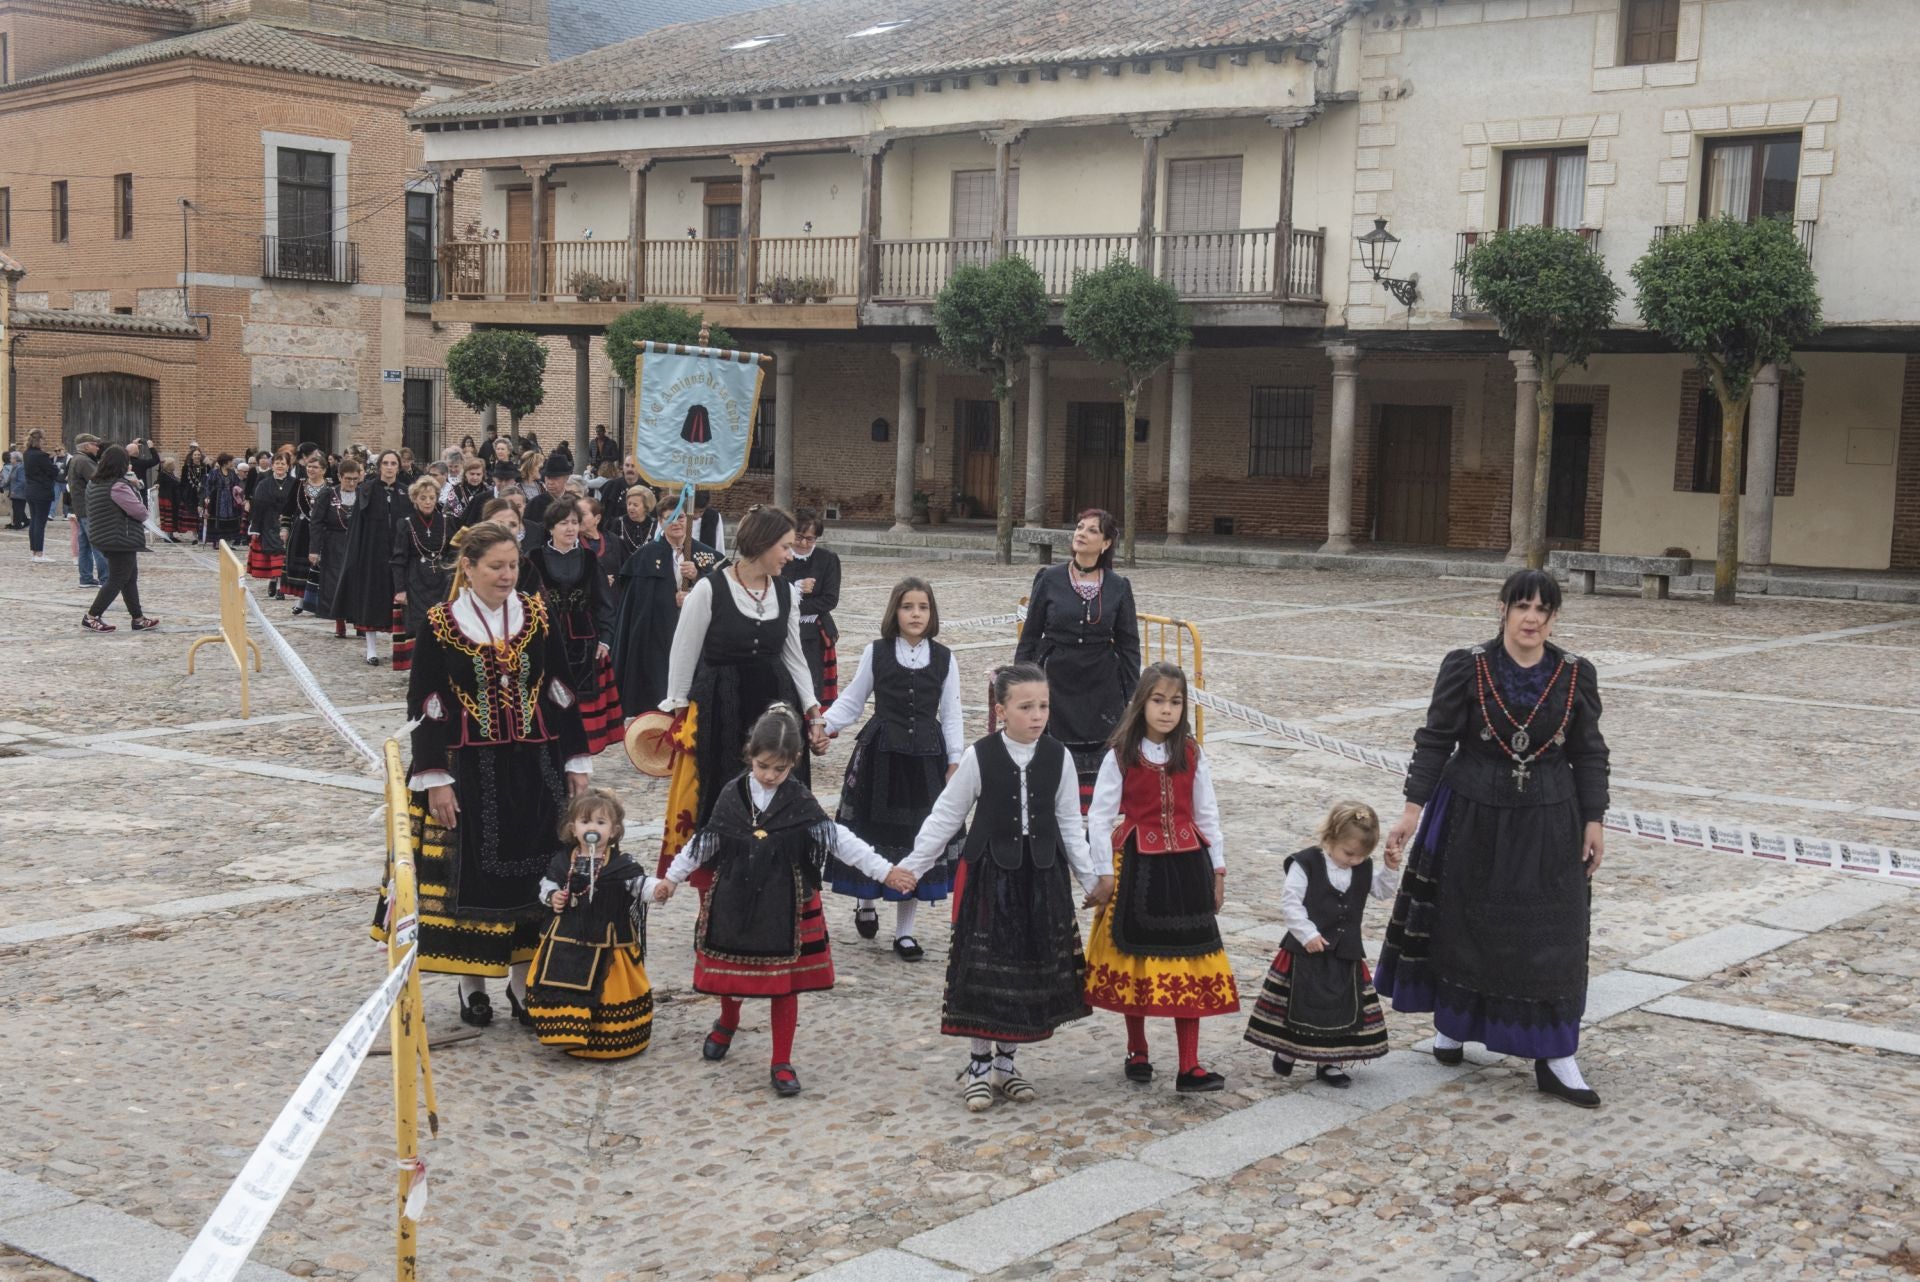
1235,265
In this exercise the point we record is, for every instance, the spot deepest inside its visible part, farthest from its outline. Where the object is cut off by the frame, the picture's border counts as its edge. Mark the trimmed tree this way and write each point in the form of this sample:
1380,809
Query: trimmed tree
1127,316
506,367
985,317
656,323
1551,296
1738,297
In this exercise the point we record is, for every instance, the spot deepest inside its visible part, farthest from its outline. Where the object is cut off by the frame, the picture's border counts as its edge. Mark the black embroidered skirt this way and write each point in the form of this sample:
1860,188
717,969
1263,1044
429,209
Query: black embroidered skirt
884,799
1014,969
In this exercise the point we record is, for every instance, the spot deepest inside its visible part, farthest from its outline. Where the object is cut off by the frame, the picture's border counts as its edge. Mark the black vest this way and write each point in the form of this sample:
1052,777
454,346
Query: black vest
734,638
1336,914
996,817
906,700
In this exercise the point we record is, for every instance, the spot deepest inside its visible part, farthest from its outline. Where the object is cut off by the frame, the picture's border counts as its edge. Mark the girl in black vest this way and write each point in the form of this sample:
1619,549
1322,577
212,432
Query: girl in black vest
903,758
1318,1005
1014,967
757,863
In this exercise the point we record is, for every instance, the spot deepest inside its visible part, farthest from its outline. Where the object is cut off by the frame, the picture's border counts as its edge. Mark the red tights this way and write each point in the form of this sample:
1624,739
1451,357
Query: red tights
784,1016
1186,1035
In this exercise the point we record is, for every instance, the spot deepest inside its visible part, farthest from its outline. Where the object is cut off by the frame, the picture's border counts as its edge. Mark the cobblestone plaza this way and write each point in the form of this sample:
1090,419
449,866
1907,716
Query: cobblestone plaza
183,912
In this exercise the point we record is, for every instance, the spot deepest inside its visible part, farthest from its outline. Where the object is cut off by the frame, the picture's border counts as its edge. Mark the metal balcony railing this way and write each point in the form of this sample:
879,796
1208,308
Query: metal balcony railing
422,279
1803,230
1465,305
333,262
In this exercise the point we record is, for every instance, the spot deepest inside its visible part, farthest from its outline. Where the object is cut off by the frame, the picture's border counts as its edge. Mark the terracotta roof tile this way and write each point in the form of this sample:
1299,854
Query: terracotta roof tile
817,50
575,26
248,44
103,322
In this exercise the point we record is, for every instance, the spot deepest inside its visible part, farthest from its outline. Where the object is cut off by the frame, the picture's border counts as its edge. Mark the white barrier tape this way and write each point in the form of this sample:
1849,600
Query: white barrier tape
1890,863
416,1190
229,1236
985,621
310,686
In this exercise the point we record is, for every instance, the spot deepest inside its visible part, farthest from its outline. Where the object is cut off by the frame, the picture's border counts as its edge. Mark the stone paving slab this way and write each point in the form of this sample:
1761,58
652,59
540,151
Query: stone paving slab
1716,950
104,1245
32,932
1759,1019
888,1265
21,1196
1226,1144
200,905
1049,1215
1831,907
1615,992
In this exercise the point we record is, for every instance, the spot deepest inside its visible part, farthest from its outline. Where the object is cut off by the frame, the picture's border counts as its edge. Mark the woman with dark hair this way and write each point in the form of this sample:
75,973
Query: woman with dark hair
581,608
815,574
308,485
365,595
1489,931
42,476
497,749
272,495
226,499
191,495
116,526
1081,630
736,649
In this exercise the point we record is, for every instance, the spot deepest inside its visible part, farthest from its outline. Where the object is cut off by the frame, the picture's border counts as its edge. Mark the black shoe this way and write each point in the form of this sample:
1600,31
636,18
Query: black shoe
1451,1056
1139,1068
1332,1076
1550,1084
785,1080
373,661
907,948
1198,1081
719,1042
867,922
298,611
476,1010
1282,1065
520,1015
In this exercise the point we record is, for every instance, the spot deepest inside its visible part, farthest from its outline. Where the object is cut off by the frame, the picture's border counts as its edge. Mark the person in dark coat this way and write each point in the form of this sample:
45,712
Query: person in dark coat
1506,807
116,522
554,475
43,475
271,496
423,555
1082,631
631,528
815,574
225,497
365,594
332,522
298,576
652,586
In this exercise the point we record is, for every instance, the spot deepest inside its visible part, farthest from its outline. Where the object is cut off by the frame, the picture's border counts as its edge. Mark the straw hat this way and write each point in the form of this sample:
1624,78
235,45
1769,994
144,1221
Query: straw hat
650,743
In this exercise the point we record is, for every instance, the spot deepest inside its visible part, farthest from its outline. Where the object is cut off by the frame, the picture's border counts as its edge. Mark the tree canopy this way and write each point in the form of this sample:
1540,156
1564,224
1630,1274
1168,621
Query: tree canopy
505,367
656,323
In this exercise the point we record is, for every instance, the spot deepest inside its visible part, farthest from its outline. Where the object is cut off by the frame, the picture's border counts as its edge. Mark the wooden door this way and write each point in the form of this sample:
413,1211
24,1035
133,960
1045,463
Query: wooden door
115,407
976,430
1203,201
295,427
520,233
1095,437
1415,448
1567,472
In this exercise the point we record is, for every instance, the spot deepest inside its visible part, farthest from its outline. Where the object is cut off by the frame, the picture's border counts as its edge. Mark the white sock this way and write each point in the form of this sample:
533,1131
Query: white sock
373,645
981,1046
1568,1071
1442,1042
1003,1058
864,905
471,984
903,914
982,1057
517,981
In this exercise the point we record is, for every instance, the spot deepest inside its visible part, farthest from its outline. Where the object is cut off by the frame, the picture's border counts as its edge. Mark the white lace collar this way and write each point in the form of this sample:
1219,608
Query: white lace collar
480,623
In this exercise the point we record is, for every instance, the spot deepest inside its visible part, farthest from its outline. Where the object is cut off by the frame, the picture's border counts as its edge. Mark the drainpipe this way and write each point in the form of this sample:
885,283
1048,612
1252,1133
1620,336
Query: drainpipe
186,206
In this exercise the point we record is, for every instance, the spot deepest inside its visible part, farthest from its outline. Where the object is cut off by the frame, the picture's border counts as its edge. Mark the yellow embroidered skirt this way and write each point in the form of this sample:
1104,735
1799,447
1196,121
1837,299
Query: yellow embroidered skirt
612,1019
1155,948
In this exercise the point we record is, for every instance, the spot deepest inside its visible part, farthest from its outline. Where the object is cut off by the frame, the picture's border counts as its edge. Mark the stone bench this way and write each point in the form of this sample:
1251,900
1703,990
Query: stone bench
1656,572
1041,541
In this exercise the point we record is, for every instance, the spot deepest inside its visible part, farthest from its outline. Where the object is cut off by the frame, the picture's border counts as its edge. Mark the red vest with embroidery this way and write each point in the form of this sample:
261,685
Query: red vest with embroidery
1156,808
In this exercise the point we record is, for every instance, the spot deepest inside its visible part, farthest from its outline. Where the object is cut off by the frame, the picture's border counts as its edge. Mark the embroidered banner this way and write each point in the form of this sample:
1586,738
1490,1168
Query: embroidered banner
694,409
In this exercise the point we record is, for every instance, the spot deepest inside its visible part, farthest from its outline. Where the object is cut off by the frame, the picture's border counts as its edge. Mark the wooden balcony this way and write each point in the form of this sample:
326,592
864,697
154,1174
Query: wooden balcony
796,269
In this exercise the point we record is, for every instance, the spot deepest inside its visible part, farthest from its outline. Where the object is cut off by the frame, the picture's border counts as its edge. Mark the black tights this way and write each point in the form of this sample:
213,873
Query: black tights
123,576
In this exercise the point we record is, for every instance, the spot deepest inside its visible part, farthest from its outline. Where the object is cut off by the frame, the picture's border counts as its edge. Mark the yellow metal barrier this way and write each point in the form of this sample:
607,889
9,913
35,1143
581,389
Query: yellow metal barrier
233,622
1162,640
412,1069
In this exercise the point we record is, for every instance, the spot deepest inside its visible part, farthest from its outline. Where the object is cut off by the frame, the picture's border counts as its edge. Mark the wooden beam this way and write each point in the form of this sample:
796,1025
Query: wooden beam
1283,228
872,160
749,162
537,251
636,167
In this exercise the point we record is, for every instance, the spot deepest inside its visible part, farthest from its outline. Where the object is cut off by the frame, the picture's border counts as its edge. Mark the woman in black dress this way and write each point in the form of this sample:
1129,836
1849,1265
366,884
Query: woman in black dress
1489,931
327,532
1082,632
297,577
422,564
815,573
497,750
581,607
365,595
736,649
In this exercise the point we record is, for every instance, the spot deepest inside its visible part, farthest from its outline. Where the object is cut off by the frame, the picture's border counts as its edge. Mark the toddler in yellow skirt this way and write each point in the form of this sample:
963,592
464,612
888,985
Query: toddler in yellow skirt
1155,950
587,989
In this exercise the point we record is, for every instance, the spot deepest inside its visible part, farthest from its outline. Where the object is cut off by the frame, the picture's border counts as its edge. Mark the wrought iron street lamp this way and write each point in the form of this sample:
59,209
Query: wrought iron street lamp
1377,248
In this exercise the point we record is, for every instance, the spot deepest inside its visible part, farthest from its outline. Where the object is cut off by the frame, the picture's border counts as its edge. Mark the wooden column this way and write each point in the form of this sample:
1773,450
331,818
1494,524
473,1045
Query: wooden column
749,162
873,154
1004,141
444,208
537,251
1287,122
1149,133
636,167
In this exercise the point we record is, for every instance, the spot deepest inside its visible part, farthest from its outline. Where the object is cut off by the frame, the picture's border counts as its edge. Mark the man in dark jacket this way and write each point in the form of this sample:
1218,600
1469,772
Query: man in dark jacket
93,562
42,475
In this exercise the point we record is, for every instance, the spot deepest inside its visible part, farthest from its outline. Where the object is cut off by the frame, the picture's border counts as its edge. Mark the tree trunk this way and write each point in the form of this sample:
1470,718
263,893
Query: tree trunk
1726,553
1542,469
1131,402
1003,530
